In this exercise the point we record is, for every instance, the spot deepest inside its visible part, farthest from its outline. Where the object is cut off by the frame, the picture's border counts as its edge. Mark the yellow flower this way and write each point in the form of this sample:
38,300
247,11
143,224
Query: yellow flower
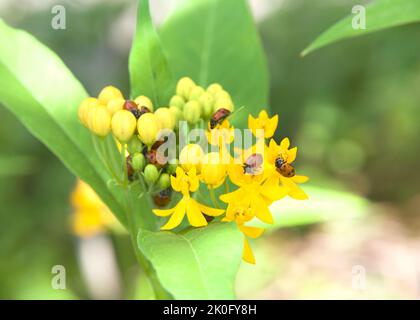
240,212
186,182
148,128
166,118
263,122
91,215
257,193
288,156
108,93
213,170
190,157
143,101
123,125
222,135
100,123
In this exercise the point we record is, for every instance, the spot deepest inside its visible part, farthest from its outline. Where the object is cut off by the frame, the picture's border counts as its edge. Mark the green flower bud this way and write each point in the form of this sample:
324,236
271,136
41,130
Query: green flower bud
196,93
165,118
100,123
177,101
184,87
192,112
214,88
151,174
164,181
123,125
108,93
138,161
172,166
134,145
178,115
206,102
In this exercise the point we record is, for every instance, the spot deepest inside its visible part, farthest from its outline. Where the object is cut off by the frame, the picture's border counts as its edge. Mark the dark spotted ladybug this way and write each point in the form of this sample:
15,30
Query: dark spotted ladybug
284,168
162,198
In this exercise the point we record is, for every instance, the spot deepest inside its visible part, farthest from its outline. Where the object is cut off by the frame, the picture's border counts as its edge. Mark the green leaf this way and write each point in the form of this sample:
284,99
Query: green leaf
149,70
38,88
381,14
217,41
323,205
200,263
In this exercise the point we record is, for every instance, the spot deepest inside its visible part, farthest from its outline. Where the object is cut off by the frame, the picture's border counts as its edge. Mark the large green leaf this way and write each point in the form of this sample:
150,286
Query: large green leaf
200,263
380,15
149,71
217,41
44,95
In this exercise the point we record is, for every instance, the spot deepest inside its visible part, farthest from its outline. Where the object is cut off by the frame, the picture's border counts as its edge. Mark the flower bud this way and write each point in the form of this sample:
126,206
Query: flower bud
164,181
115,105
151,174
196,93
206,102
84,109
214,88
148,127
123,125
108,93
101,121
178,115
134,145
223,103
191,156
192,112
184,87
143,101
177,101
213,171
173,164
222,95
165,118
138,161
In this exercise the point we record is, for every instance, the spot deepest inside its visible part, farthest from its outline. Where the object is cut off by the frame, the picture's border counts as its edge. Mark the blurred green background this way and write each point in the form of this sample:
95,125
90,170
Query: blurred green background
350,108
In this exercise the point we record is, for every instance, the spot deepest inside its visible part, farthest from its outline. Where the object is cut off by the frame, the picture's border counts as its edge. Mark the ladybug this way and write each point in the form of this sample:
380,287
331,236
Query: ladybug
131,106
162,198
284,168
218,117
253,164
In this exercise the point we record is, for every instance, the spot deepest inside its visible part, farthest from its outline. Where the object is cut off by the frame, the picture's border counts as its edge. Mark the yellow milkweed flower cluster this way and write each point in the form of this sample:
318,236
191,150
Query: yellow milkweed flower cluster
260,173
90,216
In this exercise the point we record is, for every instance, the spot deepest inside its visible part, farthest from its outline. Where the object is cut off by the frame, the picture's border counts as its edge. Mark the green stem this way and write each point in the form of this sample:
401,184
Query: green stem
213,198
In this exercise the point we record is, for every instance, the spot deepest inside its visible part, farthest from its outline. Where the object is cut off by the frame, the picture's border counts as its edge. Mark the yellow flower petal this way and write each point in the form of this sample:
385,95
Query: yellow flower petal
163,213
247,254
291,155
177,216
210,211
300,179
285,144
259,208
252,232
194,214
271,126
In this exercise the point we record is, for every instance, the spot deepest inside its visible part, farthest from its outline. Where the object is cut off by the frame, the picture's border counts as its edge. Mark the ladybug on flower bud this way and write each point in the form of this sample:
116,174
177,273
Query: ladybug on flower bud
218,117
253,164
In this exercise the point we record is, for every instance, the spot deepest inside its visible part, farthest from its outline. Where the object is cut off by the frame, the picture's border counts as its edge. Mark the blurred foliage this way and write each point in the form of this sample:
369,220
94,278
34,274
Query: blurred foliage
351,108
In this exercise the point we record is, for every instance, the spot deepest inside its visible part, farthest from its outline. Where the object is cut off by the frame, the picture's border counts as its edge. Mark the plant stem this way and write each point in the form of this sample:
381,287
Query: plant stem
213,198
